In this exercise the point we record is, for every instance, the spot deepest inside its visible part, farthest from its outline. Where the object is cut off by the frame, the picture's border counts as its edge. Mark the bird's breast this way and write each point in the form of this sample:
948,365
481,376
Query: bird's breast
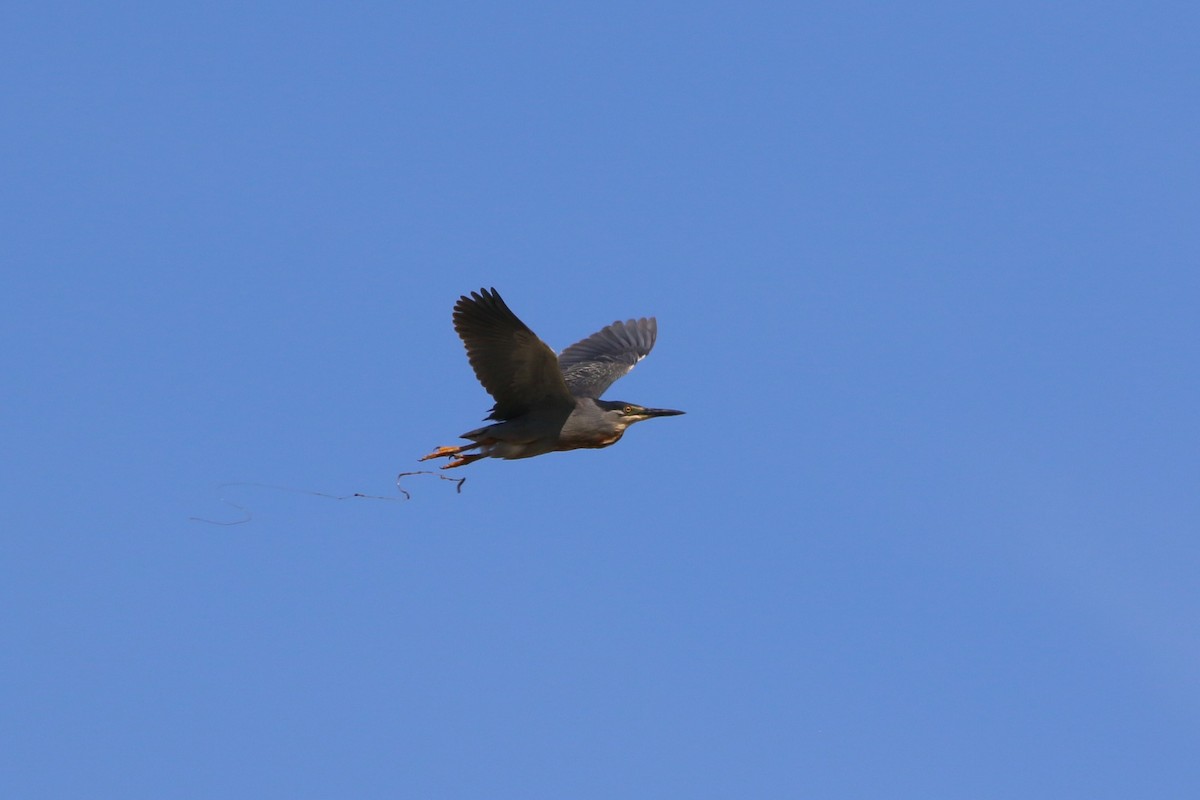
590,442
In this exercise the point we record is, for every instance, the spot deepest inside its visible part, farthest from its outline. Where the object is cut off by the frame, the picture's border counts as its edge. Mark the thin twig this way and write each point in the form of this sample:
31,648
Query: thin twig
458,488
313,493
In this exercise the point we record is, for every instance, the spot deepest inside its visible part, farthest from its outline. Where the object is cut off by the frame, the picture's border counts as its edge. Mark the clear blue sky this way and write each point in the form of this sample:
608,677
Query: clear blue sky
927,278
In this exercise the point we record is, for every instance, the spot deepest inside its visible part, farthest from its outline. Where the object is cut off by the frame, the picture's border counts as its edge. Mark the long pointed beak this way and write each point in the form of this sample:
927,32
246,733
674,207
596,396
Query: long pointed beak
662,412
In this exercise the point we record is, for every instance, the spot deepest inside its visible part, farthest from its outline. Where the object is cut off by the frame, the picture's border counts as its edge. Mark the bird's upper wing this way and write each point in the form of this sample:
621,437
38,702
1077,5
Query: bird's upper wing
518,369
592,365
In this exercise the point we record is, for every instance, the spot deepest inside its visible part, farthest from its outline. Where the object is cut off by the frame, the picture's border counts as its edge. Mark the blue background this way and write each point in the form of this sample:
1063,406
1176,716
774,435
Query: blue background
927,283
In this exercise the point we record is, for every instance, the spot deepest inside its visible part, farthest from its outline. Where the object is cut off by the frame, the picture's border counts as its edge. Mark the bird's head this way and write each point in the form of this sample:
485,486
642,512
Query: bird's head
624,414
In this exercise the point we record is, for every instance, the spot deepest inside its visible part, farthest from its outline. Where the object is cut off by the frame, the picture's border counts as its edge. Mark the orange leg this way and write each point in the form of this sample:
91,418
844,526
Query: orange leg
443,451
463,460
459,454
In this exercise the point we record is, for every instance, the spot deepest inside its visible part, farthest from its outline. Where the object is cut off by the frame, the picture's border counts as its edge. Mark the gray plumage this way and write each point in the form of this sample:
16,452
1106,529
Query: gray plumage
546,402
594,364
518,369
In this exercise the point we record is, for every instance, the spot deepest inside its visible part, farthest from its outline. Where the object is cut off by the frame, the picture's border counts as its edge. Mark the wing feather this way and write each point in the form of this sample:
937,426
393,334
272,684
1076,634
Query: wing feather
518,369
592,365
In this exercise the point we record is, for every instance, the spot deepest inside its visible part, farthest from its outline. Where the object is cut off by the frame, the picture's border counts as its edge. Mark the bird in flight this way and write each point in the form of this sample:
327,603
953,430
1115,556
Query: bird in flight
545,403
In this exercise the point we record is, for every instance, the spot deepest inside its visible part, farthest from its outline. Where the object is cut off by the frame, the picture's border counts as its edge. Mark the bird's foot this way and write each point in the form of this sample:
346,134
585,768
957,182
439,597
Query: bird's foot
445,451
463,460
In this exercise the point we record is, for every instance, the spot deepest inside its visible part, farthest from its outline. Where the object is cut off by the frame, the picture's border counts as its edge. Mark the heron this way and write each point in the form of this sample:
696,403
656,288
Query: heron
545,402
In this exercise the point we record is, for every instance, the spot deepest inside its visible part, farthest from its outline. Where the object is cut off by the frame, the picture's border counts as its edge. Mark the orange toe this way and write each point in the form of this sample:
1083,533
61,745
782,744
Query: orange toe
441,451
